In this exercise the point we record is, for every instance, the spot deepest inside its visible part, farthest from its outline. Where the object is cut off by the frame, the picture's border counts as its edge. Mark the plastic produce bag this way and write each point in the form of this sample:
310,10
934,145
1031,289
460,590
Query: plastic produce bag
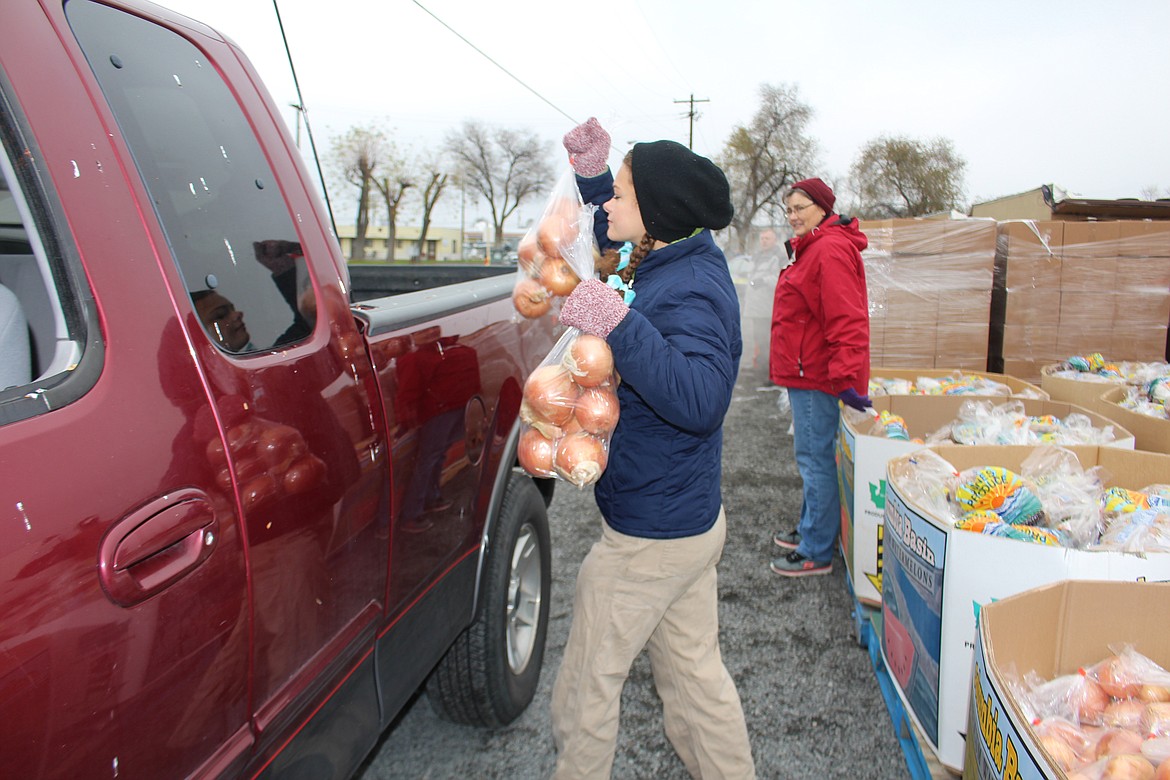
569,411
557,253
1071,494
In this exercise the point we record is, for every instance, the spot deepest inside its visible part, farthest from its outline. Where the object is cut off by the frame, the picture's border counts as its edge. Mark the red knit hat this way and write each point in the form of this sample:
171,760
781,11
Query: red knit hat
817,191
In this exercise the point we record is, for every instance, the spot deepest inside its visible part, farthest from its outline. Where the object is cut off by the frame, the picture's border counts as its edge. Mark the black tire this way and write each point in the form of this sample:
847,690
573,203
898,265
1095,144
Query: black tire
490,674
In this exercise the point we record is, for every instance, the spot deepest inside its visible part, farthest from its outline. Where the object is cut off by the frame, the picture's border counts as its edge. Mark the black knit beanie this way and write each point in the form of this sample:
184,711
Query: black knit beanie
678,190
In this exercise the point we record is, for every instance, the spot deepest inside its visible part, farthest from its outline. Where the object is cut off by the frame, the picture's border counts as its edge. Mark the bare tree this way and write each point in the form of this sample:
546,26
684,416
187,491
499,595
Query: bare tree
902,177
762,158
357,157
505,166
392,185
436,183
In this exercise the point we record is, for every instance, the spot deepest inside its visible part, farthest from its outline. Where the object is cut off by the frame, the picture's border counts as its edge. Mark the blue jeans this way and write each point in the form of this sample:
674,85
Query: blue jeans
815,418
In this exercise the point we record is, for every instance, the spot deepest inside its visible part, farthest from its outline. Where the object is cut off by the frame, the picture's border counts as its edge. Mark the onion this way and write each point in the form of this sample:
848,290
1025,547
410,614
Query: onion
1157,749
1163,772
1116,742
546,428
597,410
535,452
1128,767
1089,700
589,360
1156,720
530,298
1152,693
1059,752
550,394
557,230
527,254
572,426
1116,676
558,276
580,458
1123,714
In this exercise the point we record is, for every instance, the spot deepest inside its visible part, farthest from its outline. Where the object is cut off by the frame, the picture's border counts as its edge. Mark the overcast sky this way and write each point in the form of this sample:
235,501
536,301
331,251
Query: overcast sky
1030,92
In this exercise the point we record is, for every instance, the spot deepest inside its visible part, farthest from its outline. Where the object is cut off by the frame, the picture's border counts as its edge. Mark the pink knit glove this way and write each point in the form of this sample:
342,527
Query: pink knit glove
588,147
593,307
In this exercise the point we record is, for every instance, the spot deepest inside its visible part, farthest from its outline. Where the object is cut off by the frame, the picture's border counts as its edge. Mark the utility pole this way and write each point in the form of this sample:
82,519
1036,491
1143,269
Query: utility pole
691,115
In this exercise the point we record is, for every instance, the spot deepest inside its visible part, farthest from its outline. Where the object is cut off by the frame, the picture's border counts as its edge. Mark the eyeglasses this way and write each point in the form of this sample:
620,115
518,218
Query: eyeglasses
794,211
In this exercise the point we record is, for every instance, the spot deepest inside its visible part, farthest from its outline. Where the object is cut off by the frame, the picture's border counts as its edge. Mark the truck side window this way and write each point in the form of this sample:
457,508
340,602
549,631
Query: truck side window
46,325
227,224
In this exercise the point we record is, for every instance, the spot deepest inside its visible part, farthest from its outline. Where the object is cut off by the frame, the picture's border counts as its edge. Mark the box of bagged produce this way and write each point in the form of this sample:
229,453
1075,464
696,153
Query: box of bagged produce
863,450
937,578
1060,632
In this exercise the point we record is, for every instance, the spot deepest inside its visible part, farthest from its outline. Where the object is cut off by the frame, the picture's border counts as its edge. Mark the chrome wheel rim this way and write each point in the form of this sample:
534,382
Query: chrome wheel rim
524,599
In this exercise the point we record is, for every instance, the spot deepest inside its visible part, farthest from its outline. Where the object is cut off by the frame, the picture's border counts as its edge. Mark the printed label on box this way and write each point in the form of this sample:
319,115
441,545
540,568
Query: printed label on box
996,749
912,597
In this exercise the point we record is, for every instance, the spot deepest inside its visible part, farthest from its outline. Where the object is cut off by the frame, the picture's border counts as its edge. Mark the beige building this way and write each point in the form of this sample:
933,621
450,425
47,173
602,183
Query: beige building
1050,203
443,244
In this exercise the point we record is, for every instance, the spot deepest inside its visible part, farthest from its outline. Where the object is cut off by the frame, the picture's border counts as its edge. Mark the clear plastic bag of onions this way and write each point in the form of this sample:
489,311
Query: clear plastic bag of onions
569,411
557,253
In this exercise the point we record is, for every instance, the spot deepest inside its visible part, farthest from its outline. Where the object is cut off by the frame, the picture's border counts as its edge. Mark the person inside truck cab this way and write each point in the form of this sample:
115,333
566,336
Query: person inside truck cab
222,320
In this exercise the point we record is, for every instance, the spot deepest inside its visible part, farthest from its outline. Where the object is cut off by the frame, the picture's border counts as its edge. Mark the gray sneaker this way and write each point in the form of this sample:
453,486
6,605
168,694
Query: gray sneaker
789,540
796,565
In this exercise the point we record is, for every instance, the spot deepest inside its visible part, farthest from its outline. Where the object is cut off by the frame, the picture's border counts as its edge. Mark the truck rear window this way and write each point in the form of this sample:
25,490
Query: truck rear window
215,195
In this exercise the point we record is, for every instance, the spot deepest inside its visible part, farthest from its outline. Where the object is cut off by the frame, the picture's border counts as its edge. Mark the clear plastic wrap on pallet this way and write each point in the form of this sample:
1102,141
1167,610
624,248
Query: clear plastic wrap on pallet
1068,288
929,285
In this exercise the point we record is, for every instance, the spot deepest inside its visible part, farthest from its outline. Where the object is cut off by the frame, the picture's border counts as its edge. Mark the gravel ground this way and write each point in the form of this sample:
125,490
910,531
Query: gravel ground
812,702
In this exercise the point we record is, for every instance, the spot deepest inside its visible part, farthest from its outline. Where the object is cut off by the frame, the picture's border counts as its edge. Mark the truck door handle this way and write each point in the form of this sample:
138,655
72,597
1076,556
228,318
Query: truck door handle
156,545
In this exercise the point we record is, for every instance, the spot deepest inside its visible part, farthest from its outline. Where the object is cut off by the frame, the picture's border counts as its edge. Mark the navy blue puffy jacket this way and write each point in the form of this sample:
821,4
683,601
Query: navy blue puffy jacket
677,353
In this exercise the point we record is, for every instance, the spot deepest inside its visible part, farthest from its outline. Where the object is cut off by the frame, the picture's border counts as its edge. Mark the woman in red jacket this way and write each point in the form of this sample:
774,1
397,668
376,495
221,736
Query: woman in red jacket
820,352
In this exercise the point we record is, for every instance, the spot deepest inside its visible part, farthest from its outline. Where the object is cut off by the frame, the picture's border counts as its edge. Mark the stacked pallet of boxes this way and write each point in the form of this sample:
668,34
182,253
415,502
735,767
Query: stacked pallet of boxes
929,285
1074,288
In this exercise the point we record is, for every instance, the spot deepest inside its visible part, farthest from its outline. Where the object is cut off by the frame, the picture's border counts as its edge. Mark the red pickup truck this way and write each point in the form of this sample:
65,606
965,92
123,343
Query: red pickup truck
242,518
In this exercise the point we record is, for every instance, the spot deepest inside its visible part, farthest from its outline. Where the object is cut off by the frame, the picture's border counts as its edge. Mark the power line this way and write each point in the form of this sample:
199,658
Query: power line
691,114
484,54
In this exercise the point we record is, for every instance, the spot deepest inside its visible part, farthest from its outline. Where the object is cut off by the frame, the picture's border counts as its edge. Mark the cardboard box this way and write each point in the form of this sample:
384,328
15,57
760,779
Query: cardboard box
1089,275
918,236
1018,387
1027,368
1144,239
1052,630
935,580
861,472
1080,391
969,237
1150,433
1027,306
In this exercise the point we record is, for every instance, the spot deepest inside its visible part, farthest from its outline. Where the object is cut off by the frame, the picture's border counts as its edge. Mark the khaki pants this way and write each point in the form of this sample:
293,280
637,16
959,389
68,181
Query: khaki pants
659,594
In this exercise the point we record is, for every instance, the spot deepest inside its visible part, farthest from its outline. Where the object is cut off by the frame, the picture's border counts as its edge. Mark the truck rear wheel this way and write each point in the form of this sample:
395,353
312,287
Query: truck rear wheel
490,674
